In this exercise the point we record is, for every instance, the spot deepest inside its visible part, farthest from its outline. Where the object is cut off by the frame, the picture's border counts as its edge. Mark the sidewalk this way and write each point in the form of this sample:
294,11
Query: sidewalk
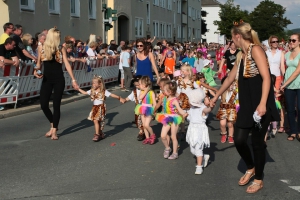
31,107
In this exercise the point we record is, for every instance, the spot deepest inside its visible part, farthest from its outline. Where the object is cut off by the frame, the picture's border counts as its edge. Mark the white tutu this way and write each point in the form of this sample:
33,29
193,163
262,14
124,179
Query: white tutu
198,134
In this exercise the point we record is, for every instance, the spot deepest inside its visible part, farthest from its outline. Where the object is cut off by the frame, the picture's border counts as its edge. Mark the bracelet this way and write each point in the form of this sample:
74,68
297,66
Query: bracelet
73,80
119,97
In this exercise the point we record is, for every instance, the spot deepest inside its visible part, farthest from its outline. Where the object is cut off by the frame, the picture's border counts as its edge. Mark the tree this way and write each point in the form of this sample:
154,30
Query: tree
267,19
230,13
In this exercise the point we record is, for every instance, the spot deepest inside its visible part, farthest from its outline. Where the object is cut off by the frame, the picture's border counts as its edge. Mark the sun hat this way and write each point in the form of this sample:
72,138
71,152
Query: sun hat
196,97
206,62
177,73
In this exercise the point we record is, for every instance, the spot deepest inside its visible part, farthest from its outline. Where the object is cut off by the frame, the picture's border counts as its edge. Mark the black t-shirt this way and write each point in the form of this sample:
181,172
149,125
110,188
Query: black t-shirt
19,47
7,54
230,58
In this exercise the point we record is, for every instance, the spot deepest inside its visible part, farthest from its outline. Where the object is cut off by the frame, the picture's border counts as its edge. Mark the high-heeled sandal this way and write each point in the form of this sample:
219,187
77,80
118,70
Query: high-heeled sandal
281,130
257,185
251,175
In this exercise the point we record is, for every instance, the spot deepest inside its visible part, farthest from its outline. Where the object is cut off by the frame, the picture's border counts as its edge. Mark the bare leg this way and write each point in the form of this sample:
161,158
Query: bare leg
199,160
97,127
164,136
230,129
174,129
145,129
223,126
146,124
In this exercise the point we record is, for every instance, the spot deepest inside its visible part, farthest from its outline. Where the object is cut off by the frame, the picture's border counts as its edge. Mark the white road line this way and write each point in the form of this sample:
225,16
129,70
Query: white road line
297,188
286,181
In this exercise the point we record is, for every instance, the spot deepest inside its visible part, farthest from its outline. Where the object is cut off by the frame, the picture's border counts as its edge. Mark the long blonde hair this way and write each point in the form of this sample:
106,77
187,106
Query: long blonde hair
100,82
247,33
52,43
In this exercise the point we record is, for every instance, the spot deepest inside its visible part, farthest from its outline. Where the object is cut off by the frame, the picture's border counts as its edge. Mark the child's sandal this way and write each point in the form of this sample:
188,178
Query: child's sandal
96,138
152,139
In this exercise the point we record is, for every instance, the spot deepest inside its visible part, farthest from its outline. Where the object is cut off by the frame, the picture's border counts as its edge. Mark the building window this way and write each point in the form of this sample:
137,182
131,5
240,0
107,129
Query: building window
75,8
189,32
92,9
156,2
169,4
148,13
139,27
183,31
27,5
198,14
174,19
54,6
163,3
179,6
190,11
156,28
169,31
193,13
178,31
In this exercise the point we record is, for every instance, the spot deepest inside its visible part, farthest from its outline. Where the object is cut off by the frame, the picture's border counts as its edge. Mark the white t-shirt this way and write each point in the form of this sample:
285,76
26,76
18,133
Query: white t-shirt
132,98
196,115
125,56
274,62
98,101
91,53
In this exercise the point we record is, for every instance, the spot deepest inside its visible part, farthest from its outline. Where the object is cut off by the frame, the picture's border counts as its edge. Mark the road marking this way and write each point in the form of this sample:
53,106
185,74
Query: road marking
286,181
297,188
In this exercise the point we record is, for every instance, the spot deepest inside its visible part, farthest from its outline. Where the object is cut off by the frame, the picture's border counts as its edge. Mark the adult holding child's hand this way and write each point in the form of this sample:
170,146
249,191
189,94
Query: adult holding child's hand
256,94
53,56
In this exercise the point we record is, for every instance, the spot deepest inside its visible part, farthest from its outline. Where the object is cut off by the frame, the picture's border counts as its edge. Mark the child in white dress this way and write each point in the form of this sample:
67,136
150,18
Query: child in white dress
197,134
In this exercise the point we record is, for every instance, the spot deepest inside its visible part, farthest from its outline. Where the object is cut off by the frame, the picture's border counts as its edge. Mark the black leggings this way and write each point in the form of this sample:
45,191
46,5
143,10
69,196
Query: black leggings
57,86
258,145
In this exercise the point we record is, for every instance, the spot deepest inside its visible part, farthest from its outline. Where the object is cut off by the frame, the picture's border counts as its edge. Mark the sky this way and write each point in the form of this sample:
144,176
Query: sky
292,9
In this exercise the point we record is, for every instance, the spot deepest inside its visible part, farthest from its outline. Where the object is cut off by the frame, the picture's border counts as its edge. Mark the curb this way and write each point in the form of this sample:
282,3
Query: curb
36,106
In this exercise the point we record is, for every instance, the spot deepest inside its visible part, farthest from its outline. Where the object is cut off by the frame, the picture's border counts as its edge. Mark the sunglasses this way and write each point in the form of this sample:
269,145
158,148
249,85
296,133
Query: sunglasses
292,40
139,45
274,42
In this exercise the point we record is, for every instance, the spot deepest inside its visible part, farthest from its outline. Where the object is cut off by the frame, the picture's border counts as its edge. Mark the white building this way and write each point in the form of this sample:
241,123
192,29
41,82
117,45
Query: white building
212,8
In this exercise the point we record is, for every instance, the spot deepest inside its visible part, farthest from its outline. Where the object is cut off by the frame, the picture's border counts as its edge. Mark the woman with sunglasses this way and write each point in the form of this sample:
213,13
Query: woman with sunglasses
291,85
145,61
276,63
256,98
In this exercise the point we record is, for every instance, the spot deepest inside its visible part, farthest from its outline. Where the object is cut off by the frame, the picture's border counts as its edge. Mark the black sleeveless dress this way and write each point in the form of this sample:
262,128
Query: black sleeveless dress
250,91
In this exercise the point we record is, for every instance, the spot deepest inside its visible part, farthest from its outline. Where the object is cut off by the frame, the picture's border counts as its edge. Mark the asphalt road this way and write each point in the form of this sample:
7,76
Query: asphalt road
120,167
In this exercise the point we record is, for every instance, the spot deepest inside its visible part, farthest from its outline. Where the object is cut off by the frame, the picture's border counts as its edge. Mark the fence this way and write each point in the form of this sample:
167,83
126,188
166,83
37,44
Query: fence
19,83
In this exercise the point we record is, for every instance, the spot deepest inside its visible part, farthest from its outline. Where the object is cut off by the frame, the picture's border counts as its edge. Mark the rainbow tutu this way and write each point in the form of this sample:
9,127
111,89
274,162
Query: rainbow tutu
142,109
168,119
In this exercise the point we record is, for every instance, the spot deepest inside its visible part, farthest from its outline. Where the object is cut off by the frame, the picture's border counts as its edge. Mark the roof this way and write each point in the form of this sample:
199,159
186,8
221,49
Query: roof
210,3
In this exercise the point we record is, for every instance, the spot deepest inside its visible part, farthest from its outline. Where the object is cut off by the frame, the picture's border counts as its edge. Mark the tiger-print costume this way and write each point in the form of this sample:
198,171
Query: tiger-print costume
227,110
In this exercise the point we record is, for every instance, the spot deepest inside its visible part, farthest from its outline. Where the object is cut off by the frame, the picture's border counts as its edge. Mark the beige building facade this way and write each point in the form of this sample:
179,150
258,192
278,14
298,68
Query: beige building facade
174,20
78,18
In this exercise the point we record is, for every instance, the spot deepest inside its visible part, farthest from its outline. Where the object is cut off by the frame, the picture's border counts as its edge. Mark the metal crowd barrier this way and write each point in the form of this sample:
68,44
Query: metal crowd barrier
19,83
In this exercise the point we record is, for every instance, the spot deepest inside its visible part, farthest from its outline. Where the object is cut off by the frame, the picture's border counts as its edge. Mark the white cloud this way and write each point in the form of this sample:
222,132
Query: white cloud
292,9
